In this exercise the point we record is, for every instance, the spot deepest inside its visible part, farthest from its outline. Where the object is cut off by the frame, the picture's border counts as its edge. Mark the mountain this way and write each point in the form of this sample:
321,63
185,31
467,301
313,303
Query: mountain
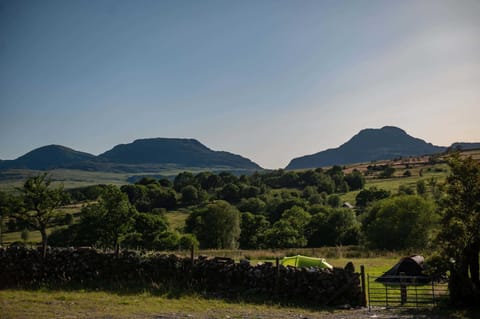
369,145
465,146
47,157
182,152
144,155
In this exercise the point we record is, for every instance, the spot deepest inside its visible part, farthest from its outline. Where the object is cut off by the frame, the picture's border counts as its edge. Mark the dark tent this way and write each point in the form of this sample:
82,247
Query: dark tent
409,267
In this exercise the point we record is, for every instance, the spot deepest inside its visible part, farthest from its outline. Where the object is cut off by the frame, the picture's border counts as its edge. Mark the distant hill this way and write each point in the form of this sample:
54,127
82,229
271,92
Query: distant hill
182,152
465,146
144,155
369,145
47,157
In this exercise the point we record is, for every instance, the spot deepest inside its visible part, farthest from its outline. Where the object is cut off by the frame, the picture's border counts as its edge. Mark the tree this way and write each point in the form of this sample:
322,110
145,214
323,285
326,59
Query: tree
253,231
6,206
289,231
370,195
337,175
230,192
333,226
459,237
39,204
107,223
284,235
216,226
253,205
149,226
182,180
188,241
190,194
161,197
421,188
355,180
387,172
334,201
400,222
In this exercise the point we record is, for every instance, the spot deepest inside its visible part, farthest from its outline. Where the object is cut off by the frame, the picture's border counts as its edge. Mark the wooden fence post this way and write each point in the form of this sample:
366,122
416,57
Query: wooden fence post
192,254
277,274
364,290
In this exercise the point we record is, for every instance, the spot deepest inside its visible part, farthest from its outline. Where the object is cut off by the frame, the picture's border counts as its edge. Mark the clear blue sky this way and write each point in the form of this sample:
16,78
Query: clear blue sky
270,80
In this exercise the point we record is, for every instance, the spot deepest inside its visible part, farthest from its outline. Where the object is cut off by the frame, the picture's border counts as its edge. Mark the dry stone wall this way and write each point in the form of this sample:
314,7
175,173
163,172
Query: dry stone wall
90,268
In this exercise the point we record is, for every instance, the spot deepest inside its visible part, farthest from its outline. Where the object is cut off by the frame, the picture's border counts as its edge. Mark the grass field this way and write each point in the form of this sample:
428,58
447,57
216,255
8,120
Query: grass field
43,304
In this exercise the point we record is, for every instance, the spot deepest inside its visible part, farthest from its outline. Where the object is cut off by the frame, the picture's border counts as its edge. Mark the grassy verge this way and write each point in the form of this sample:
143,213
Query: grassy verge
97,304
41,304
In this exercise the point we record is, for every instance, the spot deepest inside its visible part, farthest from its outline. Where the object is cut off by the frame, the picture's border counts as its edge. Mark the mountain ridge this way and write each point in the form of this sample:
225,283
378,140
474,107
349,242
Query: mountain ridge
150,153
153,154
370,144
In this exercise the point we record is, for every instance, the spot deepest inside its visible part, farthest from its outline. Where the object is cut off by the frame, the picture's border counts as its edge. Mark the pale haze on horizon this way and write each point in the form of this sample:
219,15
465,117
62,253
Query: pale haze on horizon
269,80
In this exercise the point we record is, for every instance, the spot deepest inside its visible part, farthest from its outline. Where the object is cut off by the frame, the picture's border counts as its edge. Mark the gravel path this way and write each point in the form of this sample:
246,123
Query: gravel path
337,314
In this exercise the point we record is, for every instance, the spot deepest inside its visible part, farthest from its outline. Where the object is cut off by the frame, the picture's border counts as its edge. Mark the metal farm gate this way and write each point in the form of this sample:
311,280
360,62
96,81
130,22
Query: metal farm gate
404,291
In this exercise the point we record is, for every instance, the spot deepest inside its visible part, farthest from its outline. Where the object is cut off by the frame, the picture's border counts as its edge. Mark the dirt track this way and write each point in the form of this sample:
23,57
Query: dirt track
334,314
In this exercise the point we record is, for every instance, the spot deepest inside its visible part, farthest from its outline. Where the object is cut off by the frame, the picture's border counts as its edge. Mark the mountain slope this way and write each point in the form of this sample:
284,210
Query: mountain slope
48,157
465,146
182,152
368,145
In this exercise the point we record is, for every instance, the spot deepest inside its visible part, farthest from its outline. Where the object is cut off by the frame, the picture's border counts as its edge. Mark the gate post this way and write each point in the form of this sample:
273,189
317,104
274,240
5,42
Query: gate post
363,300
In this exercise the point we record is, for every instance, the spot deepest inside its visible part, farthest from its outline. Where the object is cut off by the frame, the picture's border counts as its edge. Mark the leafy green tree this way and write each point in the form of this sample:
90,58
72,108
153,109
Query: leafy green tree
182,180
190,195
188,241
249,191
254,205
147,180
277,206
289,179
149,226
230,192
138,196
165,183
370,195
161,197
338,177
322,181
228,178
459,237
201,179
284,235
333,226
421,188
289,231
355,180
297,217
387,172
108,222
167,241
334,201
214,181
400,222
405,190
309,191
39,205
216,226
253,231
6,207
